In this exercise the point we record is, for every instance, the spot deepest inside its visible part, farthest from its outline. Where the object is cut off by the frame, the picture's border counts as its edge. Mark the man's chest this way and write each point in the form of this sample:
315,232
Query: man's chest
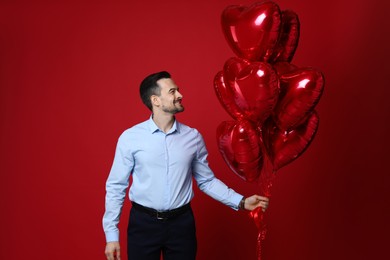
165,150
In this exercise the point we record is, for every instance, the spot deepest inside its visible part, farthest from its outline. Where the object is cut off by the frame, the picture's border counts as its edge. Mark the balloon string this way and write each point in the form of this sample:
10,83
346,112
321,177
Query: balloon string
260,235
260,238
266,180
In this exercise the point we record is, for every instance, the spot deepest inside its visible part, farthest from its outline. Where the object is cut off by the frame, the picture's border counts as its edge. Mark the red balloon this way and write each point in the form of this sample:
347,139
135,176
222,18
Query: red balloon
241,148
288,37
225,96
252,32
233,67
255,88
300,91
285,146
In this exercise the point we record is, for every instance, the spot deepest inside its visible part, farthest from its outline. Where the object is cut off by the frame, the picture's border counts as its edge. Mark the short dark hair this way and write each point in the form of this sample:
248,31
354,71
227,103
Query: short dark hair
150,87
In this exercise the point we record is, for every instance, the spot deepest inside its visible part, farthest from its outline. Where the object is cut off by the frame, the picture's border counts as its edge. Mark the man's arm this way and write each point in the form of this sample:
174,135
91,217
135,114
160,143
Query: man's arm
208,183
116,186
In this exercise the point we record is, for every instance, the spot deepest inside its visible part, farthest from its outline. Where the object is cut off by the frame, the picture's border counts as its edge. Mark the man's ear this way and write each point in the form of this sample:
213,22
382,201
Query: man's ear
155,100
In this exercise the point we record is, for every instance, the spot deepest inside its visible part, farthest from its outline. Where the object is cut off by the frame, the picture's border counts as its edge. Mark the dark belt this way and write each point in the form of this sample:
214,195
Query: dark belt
162,215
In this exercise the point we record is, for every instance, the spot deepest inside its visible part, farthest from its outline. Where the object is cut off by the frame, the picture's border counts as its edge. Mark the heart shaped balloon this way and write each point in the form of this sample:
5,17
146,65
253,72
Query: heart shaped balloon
252,32
233,67
288,38
285,146
241,148
225,93
225,96
300,91
255,88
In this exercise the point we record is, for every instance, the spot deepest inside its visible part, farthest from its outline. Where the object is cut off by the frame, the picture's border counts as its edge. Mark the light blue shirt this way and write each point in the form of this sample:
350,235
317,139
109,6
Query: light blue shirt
162,166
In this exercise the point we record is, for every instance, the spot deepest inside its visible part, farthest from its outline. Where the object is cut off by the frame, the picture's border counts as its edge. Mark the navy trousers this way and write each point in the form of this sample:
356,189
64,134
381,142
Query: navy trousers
149,237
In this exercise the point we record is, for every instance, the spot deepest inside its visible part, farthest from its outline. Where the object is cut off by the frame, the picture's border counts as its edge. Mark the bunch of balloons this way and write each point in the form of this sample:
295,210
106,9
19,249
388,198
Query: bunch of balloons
271,100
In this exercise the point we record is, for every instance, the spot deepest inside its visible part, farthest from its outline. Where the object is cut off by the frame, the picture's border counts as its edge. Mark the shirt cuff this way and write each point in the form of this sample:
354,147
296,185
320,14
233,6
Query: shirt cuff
236,199
112,236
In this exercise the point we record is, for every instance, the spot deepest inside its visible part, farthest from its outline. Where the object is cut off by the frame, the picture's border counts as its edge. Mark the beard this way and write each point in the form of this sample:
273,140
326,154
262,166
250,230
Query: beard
174,108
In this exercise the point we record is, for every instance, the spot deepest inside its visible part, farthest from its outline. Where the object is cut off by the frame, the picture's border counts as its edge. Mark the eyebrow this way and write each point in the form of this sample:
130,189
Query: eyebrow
173,89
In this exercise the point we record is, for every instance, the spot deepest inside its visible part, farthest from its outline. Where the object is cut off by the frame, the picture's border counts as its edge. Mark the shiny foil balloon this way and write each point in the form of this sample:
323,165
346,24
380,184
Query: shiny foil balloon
233,67
239,144
224,91
300,91
286,146
252,32
255,87
225,96
288,38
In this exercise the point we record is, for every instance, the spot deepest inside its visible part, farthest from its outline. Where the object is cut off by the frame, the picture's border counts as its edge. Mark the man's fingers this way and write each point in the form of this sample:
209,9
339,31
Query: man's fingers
262,198
109,255
115,255
263,203
112,251
255,201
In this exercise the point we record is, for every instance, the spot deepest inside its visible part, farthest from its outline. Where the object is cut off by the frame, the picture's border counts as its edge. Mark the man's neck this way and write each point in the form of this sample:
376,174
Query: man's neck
164,121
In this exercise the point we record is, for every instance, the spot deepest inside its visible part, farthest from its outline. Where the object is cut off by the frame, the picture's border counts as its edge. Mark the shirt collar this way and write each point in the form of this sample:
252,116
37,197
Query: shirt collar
153,127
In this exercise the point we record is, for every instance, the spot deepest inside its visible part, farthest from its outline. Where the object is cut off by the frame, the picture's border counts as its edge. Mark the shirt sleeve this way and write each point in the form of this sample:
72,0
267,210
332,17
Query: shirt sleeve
116,185
208,183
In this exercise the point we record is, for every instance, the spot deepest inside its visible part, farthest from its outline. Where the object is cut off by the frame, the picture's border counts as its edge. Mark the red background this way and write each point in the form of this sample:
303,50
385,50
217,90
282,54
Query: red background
69,77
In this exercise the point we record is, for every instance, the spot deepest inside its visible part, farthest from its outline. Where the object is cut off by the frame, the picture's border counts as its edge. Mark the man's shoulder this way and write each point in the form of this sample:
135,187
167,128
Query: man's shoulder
187,129
137,129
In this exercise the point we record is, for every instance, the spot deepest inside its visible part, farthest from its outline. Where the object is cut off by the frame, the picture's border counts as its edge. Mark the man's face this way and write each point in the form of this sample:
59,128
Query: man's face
170,98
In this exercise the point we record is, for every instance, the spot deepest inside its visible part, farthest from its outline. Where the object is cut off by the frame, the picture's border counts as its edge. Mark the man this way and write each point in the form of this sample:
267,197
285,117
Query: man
163,156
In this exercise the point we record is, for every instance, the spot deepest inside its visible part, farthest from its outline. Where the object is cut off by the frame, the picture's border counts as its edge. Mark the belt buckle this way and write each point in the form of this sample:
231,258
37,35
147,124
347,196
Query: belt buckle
158,215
